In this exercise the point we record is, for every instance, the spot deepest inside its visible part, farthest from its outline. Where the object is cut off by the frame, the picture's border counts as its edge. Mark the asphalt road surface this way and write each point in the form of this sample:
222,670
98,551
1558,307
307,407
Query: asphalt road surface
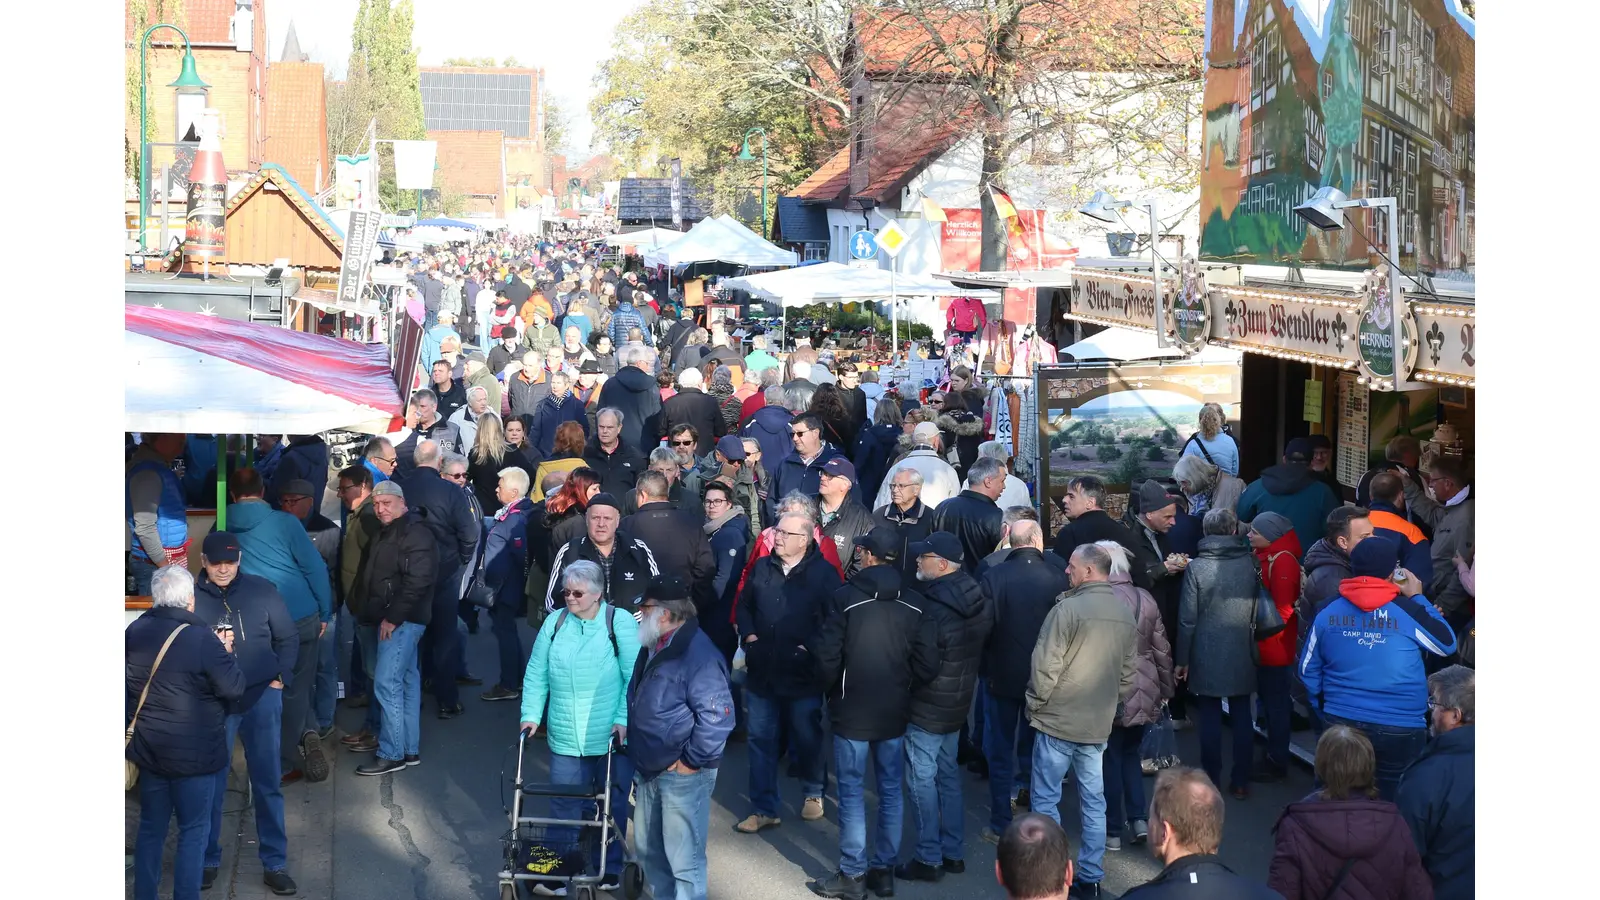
432,832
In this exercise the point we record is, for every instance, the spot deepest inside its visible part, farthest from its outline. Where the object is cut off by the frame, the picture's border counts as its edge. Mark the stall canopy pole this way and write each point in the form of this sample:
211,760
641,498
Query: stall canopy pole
894,302
222,482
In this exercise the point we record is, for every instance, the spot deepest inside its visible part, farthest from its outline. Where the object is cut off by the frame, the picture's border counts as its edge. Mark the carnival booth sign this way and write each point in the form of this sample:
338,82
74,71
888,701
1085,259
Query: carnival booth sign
1375,333
1112,298
1319,329
1191,315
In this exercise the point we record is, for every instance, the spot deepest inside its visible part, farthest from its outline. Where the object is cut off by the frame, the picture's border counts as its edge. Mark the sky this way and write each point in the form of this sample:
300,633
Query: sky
568,39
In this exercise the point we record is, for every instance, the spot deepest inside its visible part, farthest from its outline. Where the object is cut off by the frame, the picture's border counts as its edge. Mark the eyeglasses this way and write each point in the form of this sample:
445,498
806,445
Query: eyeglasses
346,488
802,432
715,501
791,534
459,476
900,487
391,460
683,443
574,594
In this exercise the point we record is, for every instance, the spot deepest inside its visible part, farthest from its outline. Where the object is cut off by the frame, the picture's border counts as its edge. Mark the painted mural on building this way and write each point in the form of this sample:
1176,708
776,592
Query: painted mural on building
1373,97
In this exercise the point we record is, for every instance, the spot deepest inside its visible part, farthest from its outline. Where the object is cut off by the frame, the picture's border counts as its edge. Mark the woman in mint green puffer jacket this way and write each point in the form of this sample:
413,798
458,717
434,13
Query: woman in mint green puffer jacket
584,675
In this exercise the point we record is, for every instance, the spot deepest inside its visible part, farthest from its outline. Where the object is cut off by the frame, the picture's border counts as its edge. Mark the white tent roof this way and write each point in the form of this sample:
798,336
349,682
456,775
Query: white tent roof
831,282
721,239
184,390
648,237
1125,344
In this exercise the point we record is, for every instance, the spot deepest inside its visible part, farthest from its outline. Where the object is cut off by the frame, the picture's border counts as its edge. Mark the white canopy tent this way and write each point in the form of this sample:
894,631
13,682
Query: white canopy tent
721,239
648,237
832,282
1125,344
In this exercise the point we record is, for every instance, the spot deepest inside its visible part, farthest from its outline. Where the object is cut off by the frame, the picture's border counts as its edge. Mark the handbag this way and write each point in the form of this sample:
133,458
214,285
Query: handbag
131,775
1160,744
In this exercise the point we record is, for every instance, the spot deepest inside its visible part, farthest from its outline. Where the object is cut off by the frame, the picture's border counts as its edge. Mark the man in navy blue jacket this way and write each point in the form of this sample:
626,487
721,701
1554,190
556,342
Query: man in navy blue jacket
1437,795
680,712
1361,664
265,644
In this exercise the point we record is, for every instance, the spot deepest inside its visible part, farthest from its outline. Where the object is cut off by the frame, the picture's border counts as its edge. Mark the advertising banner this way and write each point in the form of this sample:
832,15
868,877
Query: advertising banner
961,243
413,164
360,240
1123,424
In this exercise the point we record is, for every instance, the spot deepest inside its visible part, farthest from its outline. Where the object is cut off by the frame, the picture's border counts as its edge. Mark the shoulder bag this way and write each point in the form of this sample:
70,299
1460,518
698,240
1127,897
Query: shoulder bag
132,772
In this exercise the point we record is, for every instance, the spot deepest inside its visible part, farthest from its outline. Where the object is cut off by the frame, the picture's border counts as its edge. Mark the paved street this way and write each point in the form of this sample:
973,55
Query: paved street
433,832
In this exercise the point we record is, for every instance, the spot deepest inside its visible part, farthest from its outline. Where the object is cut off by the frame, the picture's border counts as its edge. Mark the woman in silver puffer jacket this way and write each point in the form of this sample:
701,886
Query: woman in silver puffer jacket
1152,688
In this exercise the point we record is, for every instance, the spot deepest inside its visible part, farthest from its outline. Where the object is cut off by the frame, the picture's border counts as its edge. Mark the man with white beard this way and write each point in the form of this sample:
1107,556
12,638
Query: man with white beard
680,712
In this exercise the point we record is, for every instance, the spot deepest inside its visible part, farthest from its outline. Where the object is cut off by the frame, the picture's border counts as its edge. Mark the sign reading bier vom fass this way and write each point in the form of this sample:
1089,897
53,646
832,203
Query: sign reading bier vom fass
1112,298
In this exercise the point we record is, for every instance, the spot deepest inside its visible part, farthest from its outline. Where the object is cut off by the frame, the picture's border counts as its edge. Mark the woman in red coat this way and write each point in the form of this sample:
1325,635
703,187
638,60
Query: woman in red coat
1342,843
1278,551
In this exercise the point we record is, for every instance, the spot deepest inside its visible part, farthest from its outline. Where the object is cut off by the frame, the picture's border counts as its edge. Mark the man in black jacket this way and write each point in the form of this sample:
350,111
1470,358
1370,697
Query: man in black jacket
619,463
677,539
1087,522
452,396
972,515
907,515
1021,590
444,508
957,614
625,560
393,601
265,643
871,654
780,611
1186,815
693,406
634,393
843,517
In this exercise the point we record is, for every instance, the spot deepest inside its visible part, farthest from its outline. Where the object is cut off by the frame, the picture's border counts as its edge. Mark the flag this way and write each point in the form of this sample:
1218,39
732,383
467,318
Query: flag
1002,203
932,211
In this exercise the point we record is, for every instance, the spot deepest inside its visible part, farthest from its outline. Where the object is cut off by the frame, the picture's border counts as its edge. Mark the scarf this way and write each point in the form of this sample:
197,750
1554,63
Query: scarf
713,525
510,508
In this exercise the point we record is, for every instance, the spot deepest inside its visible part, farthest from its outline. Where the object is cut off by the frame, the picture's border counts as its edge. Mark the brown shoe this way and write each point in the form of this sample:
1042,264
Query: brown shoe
365,746
811,810
755,823
359,737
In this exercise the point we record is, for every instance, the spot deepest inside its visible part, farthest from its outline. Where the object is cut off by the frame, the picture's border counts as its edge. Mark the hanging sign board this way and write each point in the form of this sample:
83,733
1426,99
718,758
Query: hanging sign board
1375,332
360,240
1312,328
1112,298
1448,339
1191,315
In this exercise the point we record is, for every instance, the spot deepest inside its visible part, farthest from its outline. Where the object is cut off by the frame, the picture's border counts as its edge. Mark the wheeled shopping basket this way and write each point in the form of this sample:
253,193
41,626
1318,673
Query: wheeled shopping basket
554,852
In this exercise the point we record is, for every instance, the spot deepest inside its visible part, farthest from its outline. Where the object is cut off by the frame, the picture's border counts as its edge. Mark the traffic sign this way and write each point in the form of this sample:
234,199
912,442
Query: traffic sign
863,245
892,238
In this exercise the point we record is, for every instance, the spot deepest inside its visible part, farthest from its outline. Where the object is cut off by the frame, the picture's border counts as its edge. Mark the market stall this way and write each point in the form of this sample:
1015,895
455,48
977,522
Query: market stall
719,246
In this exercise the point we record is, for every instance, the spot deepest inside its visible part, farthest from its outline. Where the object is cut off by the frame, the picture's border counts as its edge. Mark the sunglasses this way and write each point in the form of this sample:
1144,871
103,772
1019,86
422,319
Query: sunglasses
802,432
683,443
459,476
573,594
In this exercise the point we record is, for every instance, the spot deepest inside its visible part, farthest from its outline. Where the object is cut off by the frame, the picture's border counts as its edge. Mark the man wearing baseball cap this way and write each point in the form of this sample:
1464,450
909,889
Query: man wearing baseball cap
957,614
1293,490
873,637
843,518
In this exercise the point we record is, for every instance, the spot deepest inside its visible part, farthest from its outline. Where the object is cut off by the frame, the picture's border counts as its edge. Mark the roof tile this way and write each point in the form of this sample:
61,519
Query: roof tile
204,21
828,181
297,121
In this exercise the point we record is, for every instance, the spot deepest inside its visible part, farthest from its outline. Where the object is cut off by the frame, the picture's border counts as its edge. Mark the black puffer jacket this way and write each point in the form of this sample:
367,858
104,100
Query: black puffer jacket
398,575
1021,591
679,544
872,653
914,524
976,521
958,615
852,521
785,612
965,430
180,730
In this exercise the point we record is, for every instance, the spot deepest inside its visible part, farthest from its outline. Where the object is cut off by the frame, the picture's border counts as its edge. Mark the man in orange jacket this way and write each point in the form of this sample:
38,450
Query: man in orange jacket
1388,515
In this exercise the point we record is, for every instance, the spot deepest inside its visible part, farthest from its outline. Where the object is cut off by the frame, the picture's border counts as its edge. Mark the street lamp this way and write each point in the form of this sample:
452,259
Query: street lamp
187,84
746,156
1103,207
1325,211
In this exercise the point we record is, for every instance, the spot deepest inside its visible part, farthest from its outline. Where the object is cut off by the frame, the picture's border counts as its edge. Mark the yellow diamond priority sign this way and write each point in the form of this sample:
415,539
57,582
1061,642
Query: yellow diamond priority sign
892,238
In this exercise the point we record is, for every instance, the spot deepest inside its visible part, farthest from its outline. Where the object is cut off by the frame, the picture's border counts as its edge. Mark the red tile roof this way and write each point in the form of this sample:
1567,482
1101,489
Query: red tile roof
828,181
905,138
204,21
297,121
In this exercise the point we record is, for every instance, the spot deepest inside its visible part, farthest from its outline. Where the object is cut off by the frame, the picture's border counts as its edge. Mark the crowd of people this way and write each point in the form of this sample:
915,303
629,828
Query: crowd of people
714,544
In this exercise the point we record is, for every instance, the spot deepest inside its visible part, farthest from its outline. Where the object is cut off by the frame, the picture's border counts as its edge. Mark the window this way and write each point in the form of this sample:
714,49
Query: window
816,251
1270,195
1327,84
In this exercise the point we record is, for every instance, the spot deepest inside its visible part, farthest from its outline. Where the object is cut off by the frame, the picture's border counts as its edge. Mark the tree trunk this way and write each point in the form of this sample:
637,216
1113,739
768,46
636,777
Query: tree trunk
993,247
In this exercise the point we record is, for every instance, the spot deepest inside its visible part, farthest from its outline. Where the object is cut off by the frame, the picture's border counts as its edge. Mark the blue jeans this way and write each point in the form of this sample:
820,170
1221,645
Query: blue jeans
258,726
670,825
513,663
850,762
397,684
326,692
1008,744
591,770
805,729
159,799
351,671
935,793
1124,779
1272,686
1053,758
143,570
1209,711
367,643
1394,747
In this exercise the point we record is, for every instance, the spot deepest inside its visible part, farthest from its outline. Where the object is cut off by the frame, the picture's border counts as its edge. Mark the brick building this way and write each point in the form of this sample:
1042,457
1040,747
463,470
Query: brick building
461,107
297,122
472,163
229,40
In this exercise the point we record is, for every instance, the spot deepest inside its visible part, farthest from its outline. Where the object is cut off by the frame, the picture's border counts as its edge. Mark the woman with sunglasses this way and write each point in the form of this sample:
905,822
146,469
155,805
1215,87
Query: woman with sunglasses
581,663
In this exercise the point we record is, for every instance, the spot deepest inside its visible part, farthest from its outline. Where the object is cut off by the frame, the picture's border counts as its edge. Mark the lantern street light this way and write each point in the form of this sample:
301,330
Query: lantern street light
1102,207
746,156
188,83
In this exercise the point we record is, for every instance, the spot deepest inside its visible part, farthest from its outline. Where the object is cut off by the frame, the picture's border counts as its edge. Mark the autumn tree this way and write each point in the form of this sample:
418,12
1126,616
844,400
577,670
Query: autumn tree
382,84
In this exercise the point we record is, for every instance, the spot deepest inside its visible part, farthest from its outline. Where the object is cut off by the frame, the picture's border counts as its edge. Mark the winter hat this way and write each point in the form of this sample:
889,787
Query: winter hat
600,499
1153,497
1299,450
1374,557
1271,525
388,489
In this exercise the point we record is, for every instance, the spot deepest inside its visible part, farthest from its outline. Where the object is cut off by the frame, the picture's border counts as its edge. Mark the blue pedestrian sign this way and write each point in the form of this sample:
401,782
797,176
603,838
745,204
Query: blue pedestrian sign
863,245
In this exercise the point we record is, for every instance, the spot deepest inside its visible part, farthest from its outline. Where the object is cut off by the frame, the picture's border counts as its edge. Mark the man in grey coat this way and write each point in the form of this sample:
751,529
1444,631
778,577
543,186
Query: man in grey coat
1083,668
1449,512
